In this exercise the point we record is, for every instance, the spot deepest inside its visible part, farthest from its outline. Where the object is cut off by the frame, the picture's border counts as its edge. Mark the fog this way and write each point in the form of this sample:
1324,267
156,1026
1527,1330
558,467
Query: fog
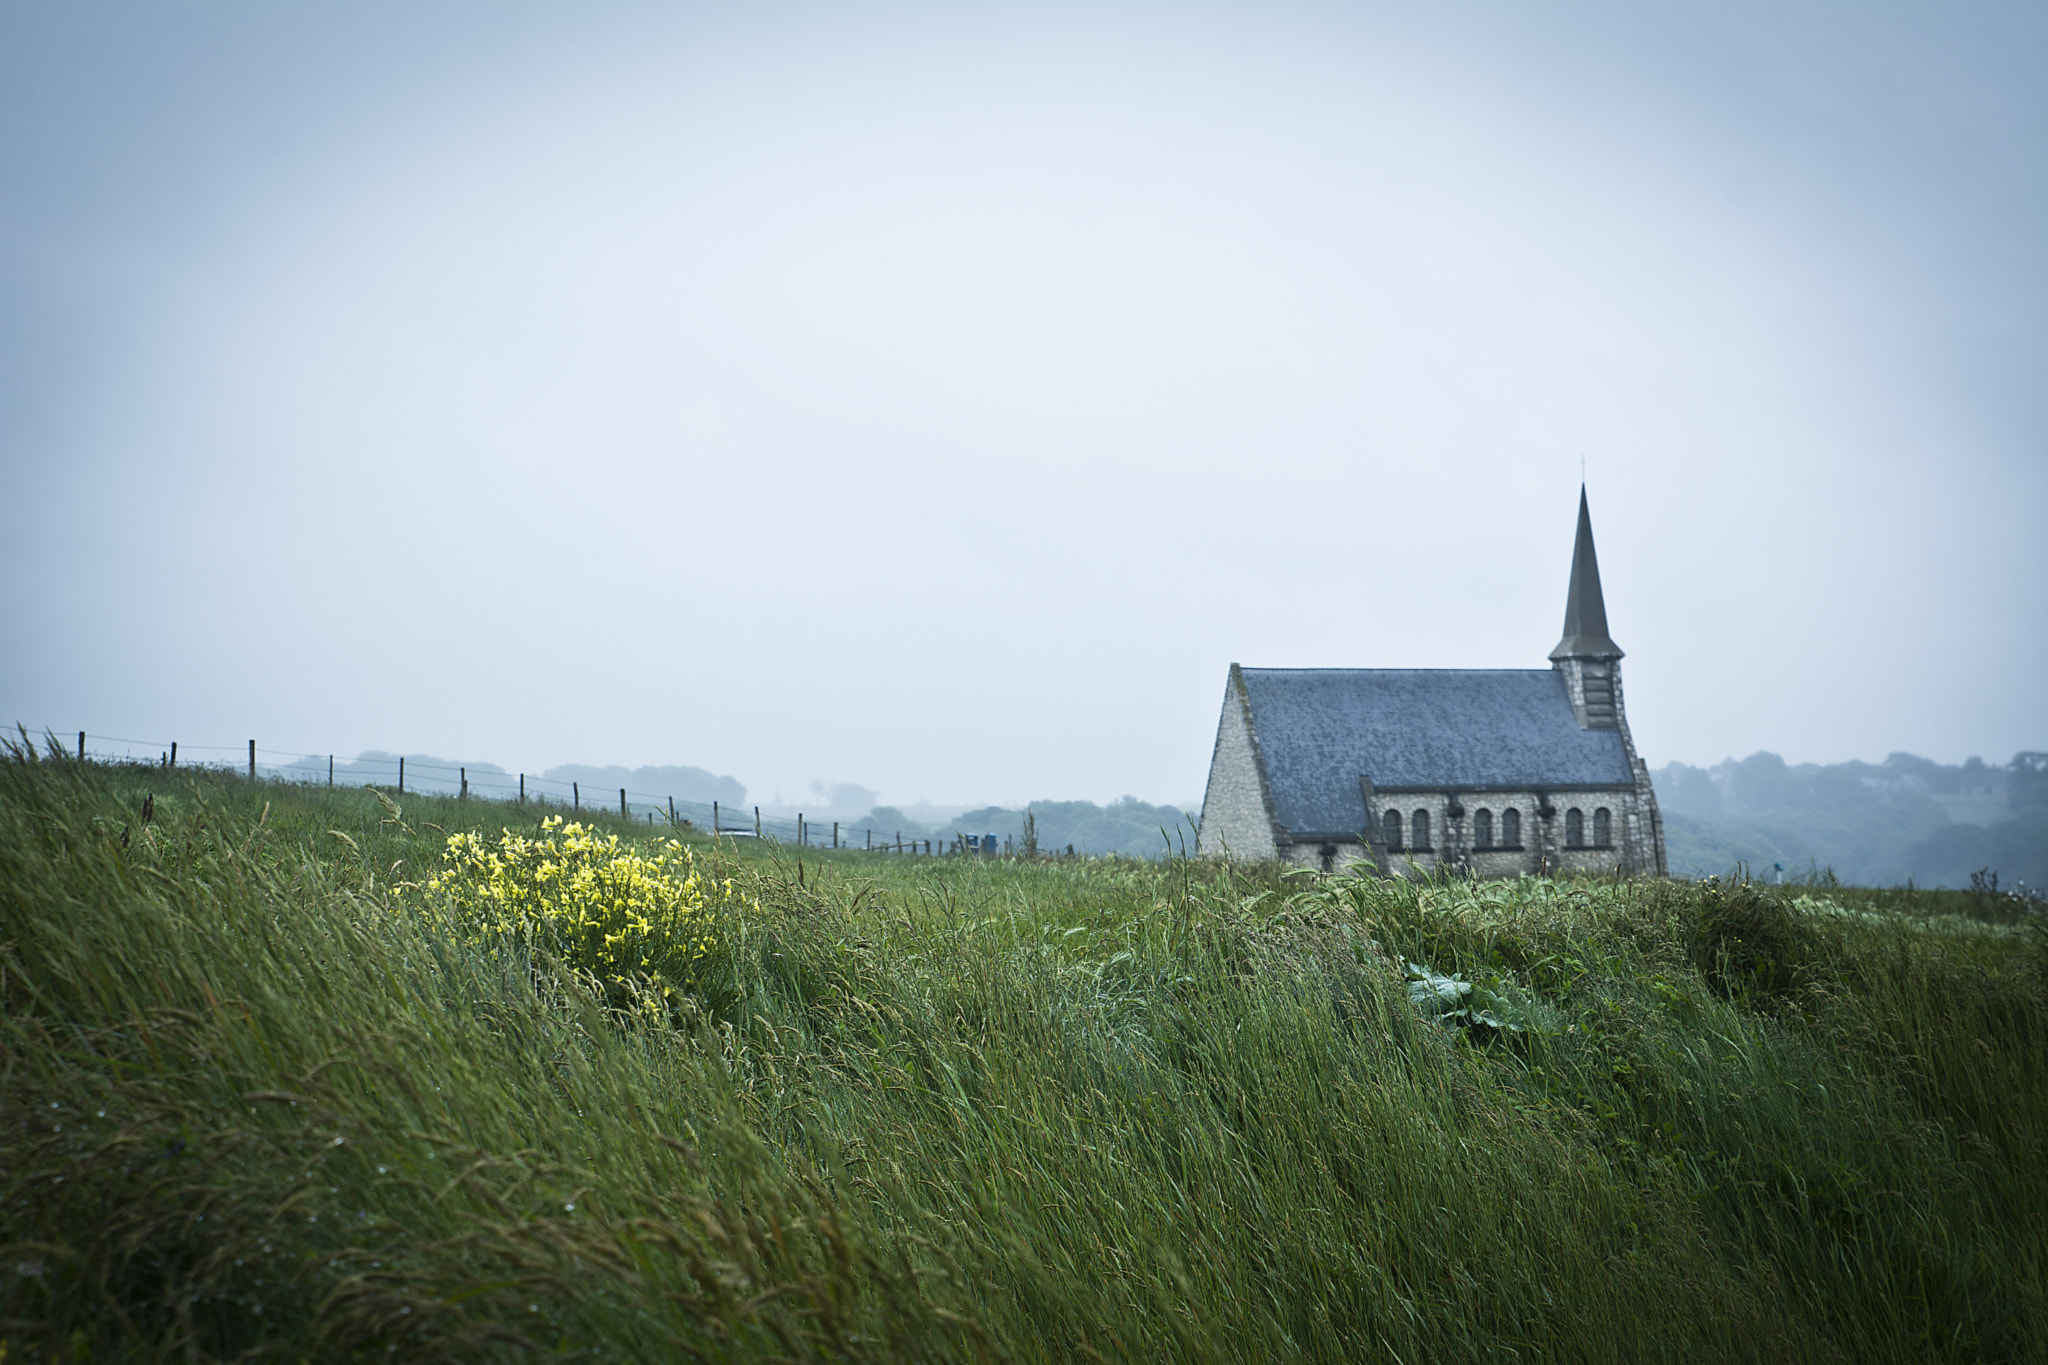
931,402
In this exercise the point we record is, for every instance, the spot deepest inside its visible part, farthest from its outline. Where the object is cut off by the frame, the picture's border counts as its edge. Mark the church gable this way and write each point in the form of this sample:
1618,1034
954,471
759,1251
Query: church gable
1237,811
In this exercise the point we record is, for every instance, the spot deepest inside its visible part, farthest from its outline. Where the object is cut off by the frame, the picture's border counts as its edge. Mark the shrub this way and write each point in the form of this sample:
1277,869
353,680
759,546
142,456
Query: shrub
645,925
1750,943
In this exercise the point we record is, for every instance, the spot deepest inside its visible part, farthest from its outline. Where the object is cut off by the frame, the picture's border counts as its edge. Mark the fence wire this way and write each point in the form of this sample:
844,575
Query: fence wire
491,783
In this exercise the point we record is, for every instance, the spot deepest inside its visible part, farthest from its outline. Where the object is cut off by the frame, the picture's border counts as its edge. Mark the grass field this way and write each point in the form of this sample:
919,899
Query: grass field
257,1098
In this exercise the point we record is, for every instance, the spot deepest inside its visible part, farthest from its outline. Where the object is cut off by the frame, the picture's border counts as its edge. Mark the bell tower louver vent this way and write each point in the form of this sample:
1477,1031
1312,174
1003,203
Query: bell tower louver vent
1596,703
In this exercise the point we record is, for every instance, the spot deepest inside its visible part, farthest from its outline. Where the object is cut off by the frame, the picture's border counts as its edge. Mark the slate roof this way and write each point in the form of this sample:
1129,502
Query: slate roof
1320,729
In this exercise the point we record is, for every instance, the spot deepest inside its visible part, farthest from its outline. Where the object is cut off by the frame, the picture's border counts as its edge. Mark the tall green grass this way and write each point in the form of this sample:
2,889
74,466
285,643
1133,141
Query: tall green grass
252,1102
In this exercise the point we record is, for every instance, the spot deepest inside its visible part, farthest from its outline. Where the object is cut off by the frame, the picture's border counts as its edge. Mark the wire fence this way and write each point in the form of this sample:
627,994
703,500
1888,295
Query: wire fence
487,782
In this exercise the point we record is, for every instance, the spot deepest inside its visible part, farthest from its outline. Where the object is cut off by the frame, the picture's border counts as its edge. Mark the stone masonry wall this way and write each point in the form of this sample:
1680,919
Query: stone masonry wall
1543,849
1236,816
1645,829
1646,822
1309,855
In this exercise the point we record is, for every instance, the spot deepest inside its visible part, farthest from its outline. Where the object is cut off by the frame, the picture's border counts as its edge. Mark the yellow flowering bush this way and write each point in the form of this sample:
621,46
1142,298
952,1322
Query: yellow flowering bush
644,922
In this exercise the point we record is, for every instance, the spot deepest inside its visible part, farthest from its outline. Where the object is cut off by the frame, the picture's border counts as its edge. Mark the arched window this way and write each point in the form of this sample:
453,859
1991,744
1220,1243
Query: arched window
1603,828
1390,830
1511,828
1418,825
1482,828
1574,828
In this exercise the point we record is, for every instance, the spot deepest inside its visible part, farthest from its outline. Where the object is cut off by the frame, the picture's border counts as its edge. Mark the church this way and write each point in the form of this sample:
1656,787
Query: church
1491,772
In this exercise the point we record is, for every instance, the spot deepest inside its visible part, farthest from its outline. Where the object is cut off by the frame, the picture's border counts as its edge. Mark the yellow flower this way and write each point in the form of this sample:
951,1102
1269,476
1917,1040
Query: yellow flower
624,916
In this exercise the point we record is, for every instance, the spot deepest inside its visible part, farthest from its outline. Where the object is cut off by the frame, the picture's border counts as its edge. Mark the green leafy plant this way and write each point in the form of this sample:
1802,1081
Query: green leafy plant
1489,1003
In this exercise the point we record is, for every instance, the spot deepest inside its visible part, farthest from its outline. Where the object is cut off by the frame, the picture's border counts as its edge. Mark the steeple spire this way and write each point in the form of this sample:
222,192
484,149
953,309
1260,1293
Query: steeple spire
1585,612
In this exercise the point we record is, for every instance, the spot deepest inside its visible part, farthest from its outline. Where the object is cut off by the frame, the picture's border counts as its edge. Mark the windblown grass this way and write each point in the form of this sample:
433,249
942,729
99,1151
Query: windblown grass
253,1102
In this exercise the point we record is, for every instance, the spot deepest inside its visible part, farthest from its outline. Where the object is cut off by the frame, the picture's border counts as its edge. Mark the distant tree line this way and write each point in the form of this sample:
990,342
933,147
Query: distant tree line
1873,824
681,782
431,773
1128,826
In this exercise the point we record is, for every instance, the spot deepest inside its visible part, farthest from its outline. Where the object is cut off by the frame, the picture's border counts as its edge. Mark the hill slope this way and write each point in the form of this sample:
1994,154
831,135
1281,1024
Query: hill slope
264,1087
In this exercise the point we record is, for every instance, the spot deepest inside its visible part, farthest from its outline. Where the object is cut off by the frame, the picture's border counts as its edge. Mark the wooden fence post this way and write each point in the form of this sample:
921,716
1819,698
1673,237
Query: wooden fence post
330,770
835,834
81,746
624,814
401,774
757,822
576,795
174,753
522,789
671,812
252,754
714,817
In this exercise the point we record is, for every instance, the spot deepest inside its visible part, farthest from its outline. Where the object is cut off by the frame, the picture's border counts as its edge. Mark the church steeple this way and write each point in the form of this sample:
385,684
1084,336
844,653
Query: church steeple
1585,612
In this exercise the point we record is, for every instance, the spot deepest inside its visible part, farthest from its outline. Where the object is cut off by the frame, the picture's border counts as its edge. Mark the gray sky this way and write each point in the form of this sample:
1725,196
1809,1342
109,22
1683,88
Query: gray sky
940,398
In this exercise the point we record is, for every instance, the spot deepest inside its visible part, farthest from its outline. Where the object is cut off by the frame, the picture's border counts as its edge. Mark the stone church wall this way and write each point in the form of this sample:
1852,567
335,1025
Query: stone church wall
1543,846
1235,818
1310,855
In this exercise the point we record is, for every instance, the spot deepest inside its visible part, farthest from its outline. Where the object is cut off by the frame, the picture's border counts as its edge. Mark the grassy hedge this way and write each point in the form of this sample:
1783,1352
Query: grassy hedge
255,1102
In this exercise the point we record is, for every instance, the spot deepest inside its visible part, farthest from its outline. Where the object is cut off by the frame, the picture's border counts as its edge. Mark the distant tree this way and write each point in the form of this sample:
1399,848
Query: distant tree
845,795
1126,826
683,783
1761,782
1688,790
997,820
1934,776
888,822
2016,850
2026,786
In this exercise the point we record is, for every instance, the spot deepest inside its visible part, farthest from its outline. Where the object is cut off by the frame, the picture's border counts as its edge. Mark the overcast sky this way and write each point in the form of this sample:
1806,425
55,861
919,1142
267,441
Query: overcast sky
941,397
